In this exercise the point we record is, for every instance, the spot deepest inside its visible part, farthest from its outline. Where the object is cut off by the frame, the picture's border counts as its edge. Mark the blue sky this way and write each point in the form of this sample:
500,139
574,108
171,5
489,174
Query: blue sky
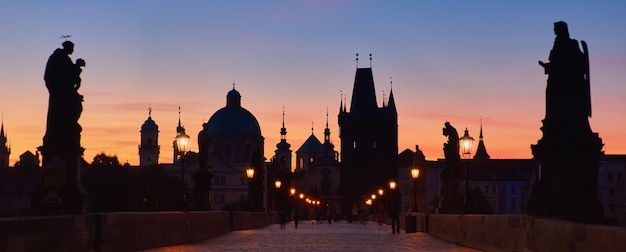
452,61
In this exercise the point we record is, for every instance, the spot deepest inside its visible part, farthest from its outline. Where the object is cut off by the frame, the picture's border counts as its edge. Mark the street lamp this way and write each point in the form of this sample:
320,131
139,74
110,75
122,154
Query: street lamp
292,191
250,172
466,149
415,173
392,185
278,201
277,183
182,145
250,176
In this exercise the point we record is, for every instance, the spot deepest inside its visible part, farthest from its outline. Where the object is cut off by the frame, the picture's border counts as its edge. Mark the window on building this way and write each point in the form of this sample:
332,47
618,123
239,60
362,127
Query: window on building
486,189
513,204
228,150
513,189
219,180
374,144
494,189
219,198
311,159
244,180
609,177
611,192
301,163
354,144
611,208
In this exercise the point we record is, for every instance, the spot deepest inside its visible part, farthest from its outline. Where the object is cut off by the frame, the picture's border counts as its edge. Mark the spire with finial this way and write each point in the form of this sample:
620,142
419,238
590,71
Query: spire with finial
149,110
481,151
5,149
283,145
357,61
391,102
312,127
326,130
340,102
384,99
180,128
283,130
370,60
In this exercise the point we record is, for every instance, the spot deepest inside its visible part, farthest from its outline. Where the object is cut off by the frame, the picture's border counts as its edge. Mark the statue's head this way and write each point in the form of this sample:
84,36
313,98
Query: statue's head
560,29
68,47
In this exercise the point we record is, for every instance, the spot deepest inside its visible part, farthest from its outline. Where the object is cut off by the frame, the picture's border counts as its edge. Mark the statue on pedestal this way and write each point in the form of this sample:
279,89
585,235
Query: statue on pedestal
452,200
568,151
61,148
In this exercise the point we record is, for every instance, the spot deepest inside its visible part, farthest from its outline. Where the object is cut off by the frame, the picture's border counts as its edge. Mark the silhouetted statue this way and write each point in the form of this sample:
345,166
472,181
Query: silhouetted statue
451,148
61,148
568,98
452,200
63,80
568,151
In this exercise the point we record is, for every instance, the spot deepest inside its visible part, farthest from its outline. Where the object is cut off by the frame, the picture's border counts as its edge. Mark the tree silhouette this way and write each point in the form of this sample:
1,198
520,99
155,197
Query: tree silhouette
477,203
108,184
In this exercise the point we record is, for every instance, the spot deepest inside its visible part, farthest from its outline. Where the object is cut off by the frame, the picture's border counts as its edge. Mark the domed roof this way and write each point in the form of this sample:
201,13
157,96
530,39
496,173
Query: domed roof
149,126
232,120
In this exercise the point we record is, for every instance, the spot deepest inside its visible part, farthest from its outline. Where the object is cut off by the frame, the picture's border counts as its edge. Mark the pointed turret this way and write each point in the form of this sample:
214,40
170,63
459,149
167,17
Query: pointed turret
481,151
5,149
391,104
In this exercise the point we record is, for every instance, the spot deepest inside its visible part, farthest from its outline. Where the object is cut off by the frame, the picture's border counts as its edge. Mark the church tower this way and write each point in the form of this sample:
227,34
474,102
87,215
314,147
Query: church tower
369,140
481,151
5,149
283,152
149,147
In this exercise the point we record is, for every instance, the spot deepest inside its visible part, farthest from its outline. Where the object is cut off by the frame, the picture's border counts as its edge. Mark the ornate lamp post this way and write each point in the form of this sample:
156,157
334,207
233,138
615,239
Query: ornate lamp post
250,176
182,145
278,201
415,173
466,149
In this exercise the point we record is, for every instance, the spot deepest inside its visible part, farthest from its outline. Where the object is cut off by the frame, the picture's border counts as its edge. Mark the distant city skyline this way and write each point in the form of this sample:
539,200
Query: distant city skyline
449,61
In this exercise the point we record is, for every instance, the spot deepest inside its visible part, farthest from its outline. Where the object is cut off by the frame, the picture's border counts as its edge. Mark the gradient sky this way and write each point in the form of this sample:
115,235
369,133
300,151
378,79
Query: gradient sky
452,61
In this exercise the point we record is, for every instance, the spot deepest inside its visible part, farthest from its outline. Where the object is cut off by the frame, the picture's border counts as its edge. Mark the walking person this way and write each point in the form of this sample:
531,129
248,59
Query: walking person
394,213
380,213
296,216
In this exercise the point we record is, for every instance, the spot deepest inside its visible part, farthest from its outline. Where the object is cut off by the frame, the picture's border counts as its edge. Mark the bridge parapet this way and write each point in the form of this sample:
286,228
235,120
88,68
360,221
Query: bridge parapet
525,233
122,231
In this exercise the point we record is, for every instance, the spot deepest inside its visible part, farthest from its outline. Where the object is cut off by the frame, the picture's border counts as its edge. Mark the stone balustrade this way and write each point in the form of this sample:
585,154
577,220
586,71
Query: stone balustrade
121,231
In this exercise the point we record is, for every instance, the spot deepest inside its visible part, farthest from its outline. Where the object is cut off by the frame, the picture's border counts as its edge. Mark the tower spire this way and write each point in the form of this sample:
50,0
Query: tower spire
179,128
357,61
340,101
283,130
370,60
481,151
326,130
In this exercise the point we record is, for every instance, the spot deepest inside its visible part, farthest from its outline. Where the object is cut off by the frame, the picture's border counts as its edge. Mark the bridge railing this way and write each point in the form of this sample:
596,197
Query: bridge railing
524,233
122,231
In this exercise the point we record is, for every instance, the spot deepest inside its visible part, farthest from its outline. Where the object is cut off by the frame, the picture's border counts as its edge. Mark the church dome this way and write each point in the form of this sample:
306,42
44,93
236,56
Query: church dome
149,126
233,120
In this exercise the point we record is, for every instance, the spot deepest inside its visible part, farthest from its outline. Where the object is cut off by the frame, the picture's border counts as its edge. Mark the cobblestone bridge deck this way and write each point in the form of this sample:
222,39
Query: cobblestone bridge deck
320,237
